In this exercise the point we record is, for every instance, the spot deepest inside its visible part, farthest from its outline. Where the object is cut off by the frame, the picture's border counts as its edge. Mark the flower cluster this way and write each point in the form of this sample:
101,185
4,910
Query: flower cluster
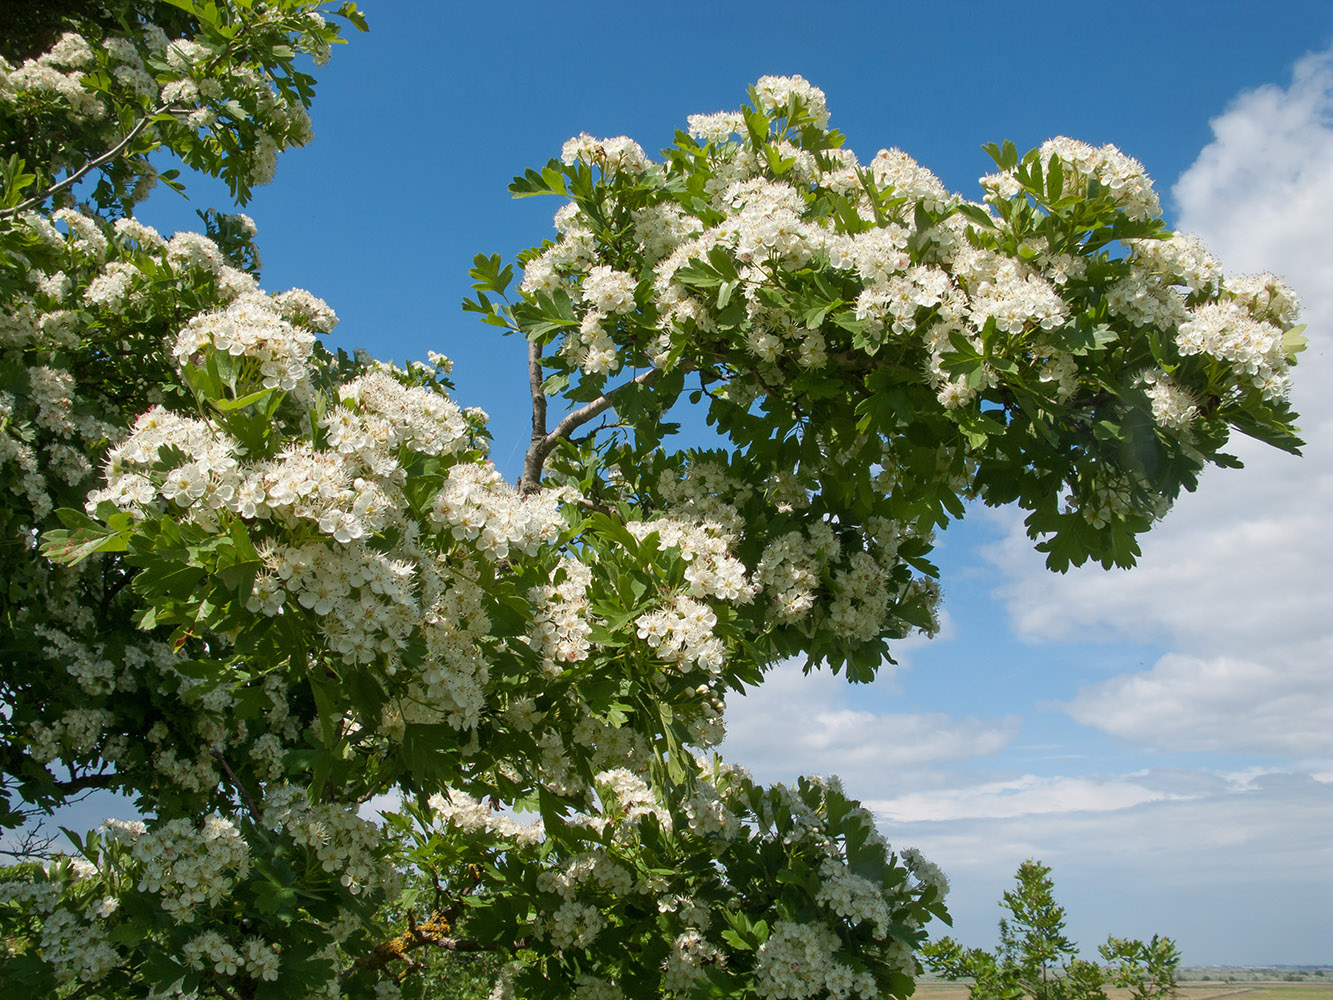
78,949
250,328
1122,175
478,507
379,416
682,633
187,865
797,961
1171,406
192,93
799,264
1228,331
620,155
778,93
853,898
345,845
457,808
691,954
627,796
560,620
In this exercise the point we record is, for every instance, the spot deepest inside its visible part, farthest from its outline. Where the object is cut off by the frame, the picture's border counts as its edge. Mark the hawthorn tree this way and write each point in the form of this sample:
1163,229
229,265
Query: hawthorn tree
256,585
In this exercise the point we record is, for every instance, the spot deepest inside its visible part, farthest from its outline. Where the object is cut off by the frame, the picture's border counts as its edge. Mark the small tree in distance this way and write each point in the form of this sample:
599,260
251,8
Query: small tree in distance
1036,959
1148,971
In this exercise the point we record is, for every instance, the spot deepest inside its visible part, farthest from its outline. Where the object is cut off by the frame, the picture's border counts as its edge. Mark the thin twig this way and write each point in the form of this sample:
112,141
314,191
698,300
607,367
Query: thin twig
605,425
88,167
34,844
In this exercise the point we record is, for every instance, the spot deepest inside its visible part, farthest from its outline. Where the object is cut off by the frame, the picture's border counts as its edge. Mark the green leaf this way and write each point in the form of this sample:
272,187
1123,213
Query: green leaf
549,180
922,219
84,537
756,125
1082,338
1294,341
232,405
1272,432
736,941
355,17
1055,180
975,214
698,274
723,264
489,275
189,6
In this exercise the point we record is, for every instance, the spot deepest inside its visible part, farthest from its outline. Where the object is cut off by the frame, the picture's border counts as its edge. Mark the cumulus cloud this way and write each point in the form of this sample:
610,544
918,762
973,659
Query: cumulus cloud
1189,703
797,724
1260,191
1028,795
1236,582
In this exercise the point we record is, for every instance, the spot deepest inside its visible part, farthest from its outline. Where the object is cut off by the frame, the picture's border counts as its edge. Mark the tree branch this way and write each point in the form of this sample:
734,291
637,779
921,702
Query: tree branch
88,167
543,444
34,844
13,761
236,783
222,991
599,405
88,782
433,933
533,460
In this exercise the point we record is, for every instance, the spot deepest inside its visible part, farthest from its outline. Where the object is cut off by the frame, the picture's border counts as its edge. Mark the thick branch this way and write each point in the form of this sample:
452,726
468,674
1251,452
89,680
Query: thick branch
88,167
222,991
434,932
88,782
543,444
13,762
532,464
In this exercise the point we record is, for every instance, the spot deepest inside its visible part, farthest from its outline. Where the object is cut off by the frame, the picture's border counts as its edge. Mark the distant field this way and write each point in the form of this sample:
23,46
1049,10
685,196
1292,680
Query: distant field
1187,991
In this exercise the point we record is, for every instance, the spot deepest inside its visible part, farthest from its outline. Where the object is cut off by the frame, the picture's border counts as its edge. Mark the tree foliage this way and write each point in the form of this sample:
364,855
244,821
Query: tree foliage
266,590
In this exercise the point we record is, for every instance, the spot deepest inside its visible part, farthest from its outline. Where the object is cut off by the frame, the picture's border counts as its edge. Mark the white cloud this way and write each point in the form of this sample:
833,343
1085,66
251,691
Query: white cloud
1236,581
796,724
1236,868
1187,703
1177,826
1026,796
1260,192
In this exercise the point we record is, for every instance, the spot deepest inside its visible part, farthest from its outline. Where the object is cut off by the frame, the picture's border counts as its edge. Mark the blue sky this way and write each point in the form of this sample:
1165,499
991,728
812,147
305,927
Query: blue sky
1162,738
